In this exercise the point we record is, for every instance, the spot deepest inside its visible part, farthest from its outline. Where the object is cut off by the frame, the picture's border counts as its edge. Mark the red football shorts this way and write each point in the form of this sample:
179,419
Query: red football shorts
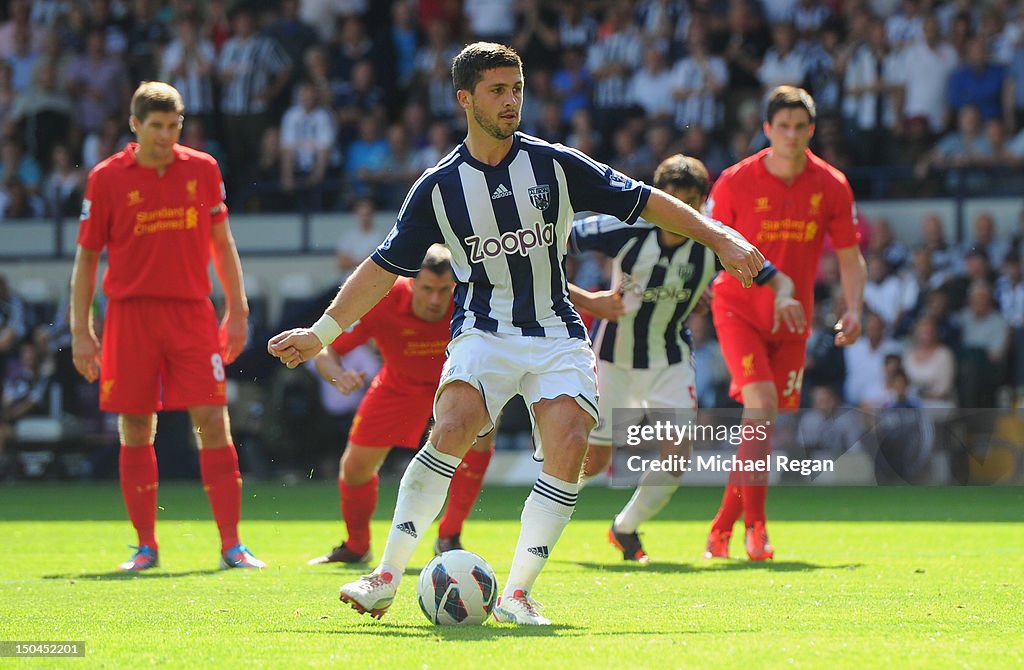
751,357
391,416
160,354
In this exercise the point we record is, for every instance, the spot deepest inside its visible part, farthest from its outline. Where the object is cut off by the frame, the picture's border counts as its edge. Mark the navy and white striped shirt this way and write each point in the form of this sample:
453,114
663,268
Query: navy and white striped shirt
507,227
660,285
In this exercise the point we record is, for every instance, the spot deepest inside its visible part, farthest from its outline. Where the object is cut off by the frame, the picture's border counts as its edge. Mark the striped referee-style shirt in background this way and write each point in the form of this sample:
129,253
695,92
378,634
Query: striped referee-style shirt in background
255,59
660,285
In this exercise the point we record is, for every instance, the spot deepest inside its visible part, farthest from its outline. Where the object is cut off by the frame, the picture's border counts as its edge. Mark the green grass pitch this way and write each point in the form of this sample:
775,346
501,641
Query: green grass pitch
864,578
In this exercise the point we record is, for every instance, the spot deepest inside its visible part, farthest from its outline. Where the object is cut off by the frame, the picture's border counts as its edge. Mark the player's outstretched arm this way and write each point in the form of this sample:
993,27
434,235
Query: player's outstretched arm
85,347
852,275
739,257
360,292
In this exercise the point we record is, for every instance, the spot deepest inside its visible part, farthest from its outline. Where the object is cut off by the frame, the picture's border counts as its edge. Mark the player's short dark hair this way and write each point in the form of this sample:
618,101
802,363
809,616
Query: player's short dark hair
789,97
683,172
155,96
469,66
438,260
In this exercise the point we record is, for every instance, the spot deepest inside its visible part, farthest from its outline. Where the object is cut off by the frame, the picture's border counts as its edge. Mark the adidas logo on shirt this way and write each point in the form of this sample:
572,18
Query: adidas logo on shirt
500,192
407,527
539,551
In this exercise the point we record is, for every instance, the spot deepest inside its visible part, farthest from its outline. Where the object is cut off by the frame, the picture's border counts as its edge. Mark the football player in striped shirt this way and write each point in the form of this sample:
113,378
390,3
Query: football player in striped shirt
643,347
503,202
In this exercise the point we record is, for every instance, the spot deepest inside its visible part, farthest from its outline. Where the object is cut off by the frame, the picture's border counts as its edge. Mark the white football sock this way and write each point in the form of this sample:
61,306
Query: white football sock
651,496
547,511
421,495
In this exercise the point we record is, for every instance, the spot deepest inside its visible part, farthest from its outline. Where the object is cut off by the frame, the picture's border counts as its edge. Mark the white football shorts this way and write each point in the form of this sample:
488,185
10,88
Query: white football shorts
500,366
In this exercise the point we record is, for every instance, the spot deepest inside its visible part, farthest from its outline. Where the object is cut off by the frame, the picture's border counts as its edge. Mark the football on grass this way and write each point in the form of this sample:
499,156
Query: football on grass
457,587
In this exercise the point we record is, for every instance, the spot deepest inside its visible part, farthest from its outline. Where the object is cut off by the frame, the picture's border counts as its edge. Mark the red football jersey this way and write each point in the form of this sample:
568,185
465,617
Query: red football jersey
788,223
413,349
155,227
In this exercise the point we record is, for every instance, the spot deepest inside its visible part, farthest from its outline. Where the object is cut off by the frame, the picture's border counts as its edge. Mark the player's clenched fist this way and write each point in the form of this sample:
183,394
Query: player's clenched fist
740,258
295,346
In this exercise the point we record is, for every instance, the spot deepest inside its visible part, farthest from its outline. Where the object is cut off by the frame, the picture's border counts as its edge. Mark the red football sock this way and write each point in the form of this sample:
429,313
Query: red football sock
357,505
223,484
755,484
731,508
464,490
139,483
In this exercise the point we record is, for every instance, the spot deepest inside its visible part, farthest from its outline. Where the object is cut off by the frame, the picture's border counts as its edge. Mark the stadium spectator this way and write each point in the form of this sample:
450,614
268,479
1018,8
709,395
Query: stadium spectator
16,164
864,385
945,257
651,84
98,145
698,81
536,36
358,99
490,20
976,269
783,63
148,35
98,81
355,46
22,59
194,135
19,20
981,359
981,83
64,184
25,392
930,366
307,136
610,60
828,426
870,93
1009,293
216,25
905,27
253,71
188,63
392,179
924,69
13,322
367,156
294,35
43,114
883,293
747,42
158,274
576,28
439,143
985,237
957,152
432,70
354,246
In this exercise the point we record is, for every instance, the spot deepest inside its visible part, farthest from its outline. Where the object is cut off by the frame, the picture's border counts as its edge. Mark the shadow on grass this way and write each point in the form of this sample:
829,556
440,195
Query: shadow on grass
483,633
717,566
119,575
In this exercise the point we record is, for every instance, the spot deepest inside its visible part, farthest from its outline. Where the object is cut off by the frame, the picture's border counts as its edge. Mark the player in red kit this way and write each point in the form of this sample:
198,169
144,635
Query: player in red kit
158,209
412,328
785,200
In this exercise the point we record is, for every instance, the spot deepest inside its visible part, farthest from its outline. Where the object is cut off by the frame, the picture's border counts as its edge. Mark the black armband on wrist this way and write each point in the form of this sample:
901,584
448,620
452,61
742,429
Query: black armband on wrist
766,273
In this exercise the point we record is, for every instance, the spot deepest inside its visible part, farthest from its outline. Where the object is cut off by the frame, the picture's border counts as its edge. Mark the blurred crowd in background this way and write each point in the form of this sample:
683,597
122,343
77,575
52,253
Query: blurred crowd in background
338,105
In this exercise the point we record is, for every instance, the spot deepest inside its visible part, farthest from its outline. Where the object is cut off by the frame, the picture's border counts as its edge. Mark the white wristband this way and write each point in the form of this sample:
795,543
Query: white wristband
327,329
